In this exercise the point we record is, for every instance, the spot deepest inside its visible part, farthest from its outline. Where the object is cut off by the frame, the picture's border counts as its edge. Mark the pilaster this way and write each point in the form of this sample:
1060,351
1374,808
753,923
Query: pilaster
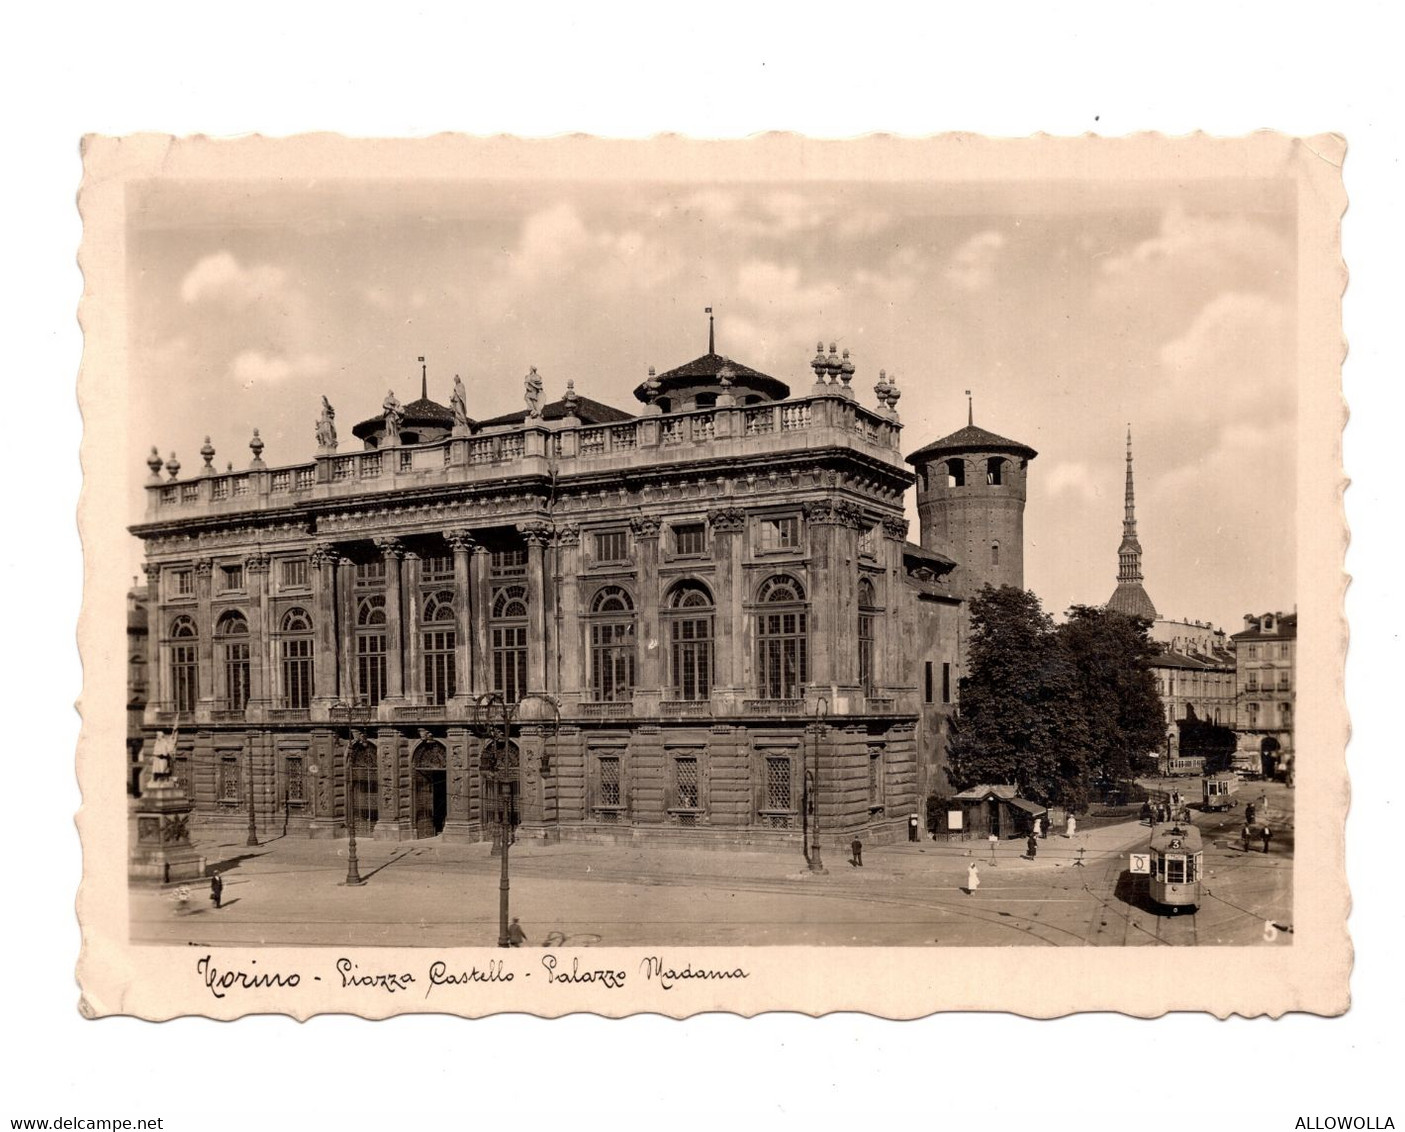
462,543
205,677
650,677
479,612
728,527
536,535
323,561
391,553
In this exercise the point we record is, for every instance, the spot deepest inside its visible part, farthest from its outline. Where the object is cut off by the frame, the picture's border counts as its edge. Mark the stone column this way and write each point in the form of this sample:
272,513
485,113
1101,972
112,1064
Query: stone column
346,630
261,681
462,543
650,651
324,626
391,552
728,527
536,535
479,611
571,678
206,643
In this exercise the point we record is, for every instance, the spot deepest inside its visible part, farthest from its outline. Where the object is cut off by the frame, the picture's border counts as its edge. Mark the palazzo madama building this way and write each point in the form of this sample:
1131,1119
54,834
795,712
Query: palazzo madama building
700,621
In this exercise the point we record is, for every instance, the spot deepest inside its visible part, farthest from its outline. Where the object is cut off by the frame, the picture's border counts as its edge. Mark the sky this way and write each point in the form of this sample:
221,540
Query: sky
1069,310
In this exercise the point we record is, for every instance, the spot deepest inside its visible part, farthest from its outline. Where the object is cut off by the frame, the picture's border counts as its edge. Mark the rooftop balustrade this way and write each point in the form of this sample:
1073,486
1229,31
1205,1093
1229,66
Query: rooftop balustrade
540,448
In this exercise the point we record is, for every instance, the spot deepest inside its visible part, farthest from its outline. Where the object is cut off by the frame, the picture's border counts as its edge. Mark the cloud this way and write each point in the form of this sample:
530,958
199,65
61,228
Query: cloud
254,367
972,266
1074,477
221,277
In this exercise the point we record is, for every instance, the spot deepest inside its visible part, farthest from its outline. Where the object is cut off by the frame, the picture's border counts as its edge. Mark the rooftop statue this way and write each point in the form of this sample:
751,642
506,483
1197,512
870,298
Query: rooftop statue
459,403
326,425
533,394
394,415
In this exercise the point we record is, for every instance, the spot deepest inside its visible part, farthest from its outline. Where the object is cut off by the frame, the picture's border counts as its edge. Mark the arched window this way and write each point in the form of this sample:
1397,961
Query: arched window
782,639
868,609
439,638
995,471
184,686
370,649
689,616
612,645
295,659
705,401
232,632
508,634
956,473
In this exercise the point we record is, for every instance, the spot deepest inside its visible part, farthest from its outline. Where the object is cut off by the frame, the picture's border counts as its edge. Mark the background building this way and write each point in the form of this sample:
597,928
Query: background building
706,614
1266,656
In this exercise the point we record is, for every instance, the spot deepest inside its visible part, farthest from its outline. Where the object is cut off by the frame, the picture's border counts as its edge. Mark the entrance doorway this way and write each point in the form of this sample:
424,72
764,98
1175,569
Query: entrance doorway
429,789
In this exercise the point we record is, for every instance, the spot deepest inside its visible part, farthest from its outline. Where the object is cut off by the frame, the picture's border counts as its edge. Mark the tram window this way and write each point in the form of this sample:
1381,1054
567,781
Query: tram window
1160,868
1175,870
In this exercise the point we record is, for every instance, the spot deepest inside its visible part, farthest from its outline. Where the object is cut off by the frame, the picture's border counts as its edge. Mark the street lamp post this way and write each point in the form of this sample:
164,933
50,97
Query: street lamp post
253,838
353,871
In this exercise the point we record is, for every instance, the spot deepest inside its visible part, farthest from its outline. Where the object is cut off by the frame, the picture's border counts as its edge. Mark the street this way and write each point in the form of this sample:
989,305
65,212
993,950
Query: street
287,891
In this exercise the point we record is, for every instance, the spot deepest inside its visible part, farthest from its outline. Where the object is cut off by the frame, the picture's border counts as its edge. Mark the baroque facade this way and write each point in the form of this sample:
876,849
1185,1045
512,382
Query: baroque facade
704,619
1266,681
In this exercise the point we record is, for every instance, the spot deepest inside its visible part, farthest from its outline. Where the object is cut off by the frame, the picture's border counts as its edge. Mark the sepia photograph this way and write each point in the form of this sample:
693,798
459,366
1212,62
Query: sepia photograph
668,548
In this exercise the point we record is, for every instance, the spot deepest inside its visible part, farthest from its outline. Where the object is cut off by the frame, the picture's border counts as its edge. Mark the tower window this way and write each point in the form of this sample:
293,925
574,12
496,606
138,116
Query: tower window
995,554
995,471
956,473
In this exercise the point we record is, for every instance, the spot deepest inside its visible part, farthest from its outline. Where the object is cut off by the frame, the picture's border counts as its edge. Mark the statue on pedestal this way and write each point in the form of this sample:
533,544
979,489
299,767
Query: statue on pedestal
533,394
394,417
459,403
326,426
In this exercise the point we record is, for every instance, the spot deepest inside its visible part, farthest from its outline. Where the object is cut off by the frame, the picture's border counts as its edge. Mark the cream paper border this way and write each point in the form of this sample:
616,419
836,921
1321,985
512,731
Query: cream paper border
1310,975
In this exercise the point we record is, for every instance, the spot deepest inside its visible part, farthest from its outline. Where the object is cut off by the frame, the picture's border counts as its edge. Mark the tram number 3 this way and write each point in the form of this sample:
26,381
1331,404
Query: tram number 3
1270,931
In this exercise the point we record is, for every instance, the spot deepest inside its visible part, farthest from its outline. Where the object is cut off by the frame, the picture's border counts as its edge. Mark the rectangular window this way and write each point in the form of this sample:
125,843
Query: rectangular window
370,573
875,778
685,774
610,792
508,563
510,662
236,675
690,538
293,573
778,786
1253,681
231,577
227,784
182,583
1175,870
440,678
437,568
778,534
612,660
611,546
692,658
1283,682
783,662
297,672
866,653
868,543
927,692
946,683
296,789
183,684
370,667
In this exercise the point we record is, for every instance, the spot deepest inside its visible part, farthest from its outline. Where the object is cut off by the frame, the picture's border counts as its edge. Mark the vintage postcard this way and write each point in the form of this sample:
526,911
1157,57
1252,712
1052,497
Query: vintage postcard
674,576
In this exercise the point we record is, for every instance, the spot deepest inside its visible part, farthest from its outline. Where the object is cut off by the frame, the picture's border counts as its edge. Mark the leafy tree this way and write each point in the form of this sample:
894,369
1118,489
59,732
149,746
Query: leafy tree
1111,655
1019,721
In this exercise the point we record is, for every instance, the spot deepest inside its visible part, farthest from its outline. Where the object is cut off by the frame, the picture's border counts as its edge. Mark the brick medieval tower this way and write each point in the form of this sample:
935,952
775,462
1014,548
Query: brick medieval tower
970,505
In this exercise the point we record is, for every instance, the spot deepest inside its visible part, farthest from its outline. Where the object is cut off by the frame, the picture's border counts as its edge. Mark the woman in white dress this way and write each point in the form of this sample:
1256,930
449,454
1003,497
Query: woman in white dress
973,879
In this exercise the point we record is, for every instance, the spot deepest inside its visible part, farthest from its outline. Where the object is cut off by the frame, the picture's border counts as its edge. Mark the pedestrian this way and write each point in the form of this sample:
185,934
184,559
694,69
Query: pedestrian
216,889
516,937
1147,815
1267,835
1039,827
912,825
856,848
973,879
994,841
1032,845
1249,813
1247,833
1072,827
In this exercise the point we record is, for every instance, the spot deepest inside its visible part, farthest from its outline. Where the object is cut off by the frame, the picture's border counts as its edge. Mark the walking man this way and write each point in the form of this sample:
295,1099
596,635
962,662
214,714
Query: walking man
516,937
1266,834
1247,832
856,848
216,889
1032,845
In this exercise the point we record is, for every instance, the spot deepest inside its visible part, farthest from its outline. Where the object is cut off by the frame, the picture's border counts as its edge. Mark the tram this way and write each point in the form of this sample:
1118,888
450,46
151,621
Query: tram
1177,864
1217,792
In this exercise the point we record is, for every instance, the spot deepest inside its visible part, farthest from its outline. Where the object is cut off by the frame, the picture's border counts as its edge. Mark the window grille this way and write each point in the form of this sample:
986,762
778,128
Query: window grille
778,787
228,782
610,792
686,772
296,788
